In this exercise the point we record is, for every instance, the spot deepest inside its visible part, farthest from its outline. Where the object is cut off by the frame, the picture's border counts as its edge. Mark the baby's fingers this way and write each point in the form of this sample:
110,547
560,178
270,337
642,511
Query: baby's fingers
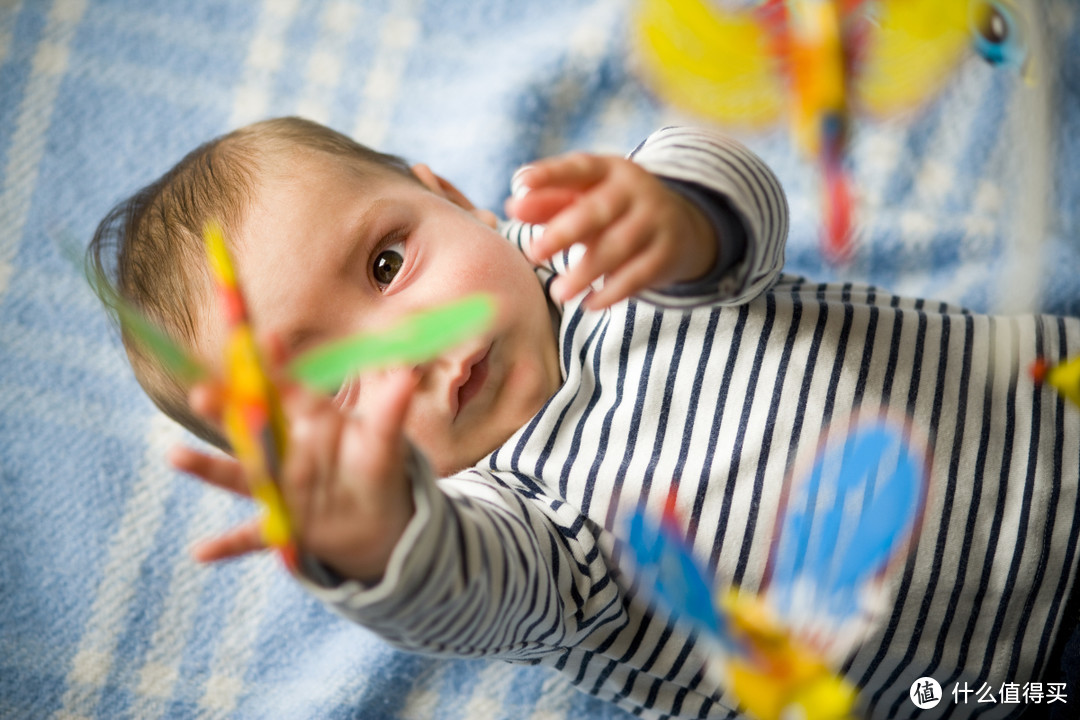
222,472
604,256
311,464
587,218
574,171
636,275
240,540
539,206
395,395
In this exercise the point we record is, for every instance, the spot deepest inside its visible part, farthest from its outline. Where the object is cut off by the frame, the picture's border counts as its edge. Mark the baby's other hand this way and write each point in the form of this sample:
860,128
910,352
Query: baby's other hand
343,479
638,233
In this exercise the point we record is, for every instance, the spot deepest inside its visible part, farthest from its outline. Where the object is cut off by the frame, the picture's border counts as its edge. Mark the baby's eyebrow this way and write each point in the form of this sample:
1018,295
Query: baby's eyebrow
361,230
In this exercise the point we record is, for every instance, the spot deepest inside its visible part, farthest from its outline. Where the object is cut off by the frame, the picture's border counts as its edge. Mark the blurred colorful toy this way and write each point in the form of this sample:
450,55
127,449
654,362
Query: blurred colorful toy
415,339
748,63
841,526
1064,377
412,341
252,415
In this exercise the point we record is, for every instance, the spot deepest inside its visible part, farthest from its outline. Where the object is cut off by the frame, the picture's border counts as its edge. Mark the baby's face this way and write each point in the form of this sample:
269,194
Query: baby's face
324,253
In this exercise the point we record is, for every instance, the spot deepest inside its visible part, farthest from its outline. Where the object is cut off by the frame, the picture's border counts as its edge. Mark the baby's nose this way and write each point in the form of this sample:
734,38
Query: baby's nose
429,376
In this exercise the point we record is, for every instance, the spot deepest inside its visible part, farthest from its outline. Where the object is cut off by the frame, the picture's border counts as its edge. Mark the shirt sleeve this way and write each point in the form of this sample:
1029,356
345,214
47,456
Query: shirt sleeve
743,190
484,569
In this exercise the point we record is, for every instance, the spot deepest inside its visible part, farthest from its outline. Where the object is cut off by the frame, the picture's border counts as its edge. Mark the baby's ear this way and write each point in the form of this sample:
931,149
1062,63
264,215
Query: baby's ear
444,188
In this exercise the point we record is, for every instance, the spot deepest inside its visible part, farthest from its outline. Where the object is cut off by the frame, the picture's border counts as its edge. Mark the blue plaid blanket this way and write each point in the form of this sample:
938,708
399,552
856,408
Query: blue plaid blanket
102,613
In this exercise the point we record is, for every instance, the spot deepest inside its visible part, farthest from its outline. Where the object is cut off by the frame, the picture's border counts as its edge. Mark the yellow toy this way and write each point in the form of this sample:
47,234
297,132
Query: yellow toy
254,421
1063,377
784,672
749,63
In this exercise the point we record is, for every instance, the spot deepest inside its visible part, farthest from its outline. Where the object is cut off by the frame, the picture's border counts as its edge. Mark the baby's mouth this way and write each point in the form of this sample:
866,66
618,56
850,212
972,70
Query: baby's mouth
476,372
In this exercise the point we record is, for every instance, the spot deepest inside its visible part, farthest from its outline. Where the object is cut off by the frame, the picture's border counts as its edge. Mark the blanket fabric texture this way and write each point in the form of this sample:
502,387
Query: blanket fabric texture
972,199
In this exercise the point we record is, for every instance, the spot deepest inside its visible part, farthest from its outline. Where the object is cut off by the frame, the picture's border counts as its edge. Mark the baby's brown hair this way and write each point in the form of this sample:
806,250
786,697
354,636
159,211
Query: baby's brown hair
148,251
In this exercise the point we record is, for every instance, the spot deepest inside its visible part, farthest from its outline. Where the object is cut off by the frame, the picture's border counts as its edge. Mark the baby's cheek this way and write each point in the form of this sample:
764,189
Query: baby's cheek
473,275
488,261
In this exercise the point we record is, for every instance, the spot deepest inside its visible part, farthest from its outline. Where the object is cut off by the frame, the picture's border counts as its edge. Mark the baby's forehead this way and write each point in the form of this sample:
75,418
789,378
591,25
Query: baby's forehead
304,177
300,164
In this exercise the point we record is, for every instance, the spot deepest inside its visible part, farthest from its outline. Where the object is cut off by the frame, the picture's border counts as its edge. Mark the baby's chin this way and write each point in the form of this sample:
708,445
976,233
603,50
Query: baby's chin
451,468
448,461
445,466
448,458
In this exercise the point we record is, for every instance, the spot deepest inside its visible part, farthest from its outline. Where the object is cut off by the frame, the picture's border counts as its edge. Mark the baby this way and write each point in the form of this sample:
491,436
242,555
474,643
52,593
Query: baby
471,506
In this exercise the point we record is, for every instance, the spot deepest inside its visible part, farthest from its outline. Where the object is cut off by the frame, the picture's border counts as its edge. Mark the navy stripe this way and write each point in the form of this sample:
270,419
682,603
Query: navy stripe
1032,590
999,509
838,360
869,341
550,444
1060,595
740,438
616,406
665,410
721,404
717,417
808,377
594,399
692,411
939,546
774,410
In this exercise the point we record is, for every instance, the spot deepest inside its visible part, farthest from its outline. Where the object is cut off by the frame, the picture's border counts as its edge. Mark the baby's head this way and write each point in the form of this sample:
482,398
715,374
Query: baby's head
332,238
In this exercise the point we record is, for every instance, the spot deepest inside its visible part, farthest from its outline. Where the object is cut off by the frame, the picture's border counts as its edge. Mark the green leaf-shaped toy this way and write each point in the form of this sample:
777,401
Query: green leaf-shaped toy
415,339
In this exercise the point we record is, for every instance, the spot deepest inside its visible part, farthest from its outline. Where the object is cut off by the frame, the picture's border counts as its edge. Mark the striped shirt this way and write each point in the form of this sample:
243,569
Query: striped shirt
720,393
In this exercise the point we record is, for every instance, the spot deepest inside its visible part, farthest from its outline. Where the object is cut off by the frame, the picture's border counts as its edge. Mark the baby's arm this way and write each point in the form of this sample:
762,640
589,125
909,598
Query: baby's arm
472,565
649,239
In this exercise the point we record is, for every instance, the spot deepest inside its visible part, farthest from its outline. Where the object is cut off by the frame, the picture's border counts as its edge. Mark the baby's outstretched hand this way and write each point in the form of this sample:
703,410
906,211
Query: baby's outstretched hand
343,480
637,232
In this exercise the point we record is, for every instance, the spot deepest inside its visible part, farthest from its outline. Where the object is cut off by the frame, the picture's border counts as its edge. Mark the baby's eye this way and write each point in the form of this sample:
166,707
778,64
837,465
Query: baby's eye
387,263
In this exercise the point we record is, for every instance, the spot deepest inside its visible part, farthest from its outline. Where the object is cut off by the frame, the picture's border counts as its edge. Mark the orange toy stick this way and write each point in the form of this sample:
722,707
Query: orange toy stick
254,422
